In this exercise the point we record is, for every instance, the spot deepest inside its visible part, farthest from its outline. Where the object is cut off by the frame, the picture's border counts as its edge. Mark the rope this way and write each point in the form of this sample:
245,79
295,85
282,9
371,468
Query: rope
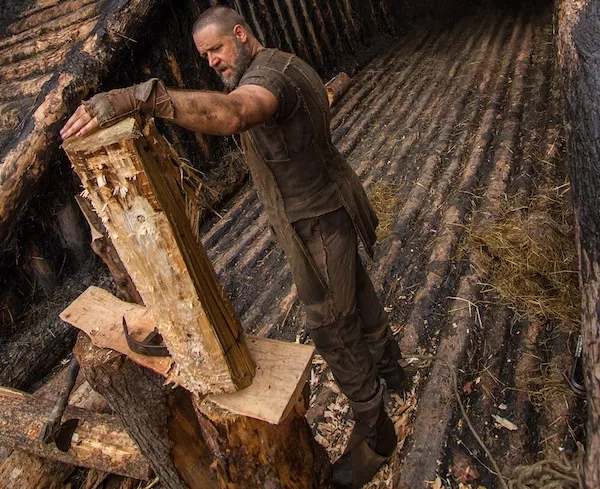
551,473
555,473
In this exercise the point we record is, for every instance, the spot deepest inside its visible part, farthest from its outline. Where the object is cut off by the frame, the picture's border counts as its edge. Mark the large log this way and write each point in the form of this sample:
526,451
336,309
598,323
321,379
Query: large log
133,187
578,45
30,153
99,441
160,419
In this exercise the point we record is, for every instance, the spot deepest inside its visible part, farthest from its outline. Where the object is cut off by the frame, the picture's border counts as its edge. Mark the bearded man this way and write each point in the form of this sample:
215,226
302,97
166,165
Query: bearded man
313,199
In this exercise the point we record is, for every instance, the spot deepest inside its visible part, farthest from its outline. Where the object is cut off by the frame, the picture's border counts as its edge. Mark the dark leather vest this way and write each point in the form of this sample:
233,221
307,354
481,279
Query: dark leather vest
297,171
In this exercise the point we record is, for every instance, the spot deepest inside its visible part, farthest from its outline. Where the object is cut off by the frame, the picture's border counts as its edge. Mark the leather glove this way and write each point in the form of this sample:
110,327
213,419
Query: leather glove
150,97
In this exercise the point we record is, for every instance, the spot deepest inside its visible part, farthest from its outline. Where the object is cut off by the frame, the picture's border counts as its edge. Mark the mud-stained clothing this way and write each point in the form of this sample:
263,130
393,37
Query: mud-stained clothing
317,208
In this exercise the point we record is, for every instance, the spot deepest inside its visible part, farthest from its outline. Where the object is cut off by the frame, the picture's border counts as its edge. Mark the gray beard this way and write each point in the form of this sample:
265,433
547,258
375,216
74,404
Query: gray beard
242,62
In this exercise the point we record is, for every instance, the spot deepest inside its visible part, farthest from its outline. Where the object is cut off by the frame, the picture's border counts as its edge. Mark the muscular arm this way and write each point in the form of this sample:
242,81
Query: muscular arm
201,111
223,114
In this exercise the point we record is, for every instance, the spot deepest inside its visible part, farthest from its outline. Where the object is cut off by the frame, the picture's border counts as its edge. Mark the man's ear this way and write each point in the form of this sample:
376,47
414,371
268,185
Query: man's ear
240,33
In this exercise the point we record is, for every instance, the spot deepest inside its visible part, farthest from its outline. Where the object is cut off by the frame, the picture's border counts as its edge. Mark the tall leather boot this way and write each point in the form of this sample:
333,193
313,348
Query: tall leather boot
389,370
372,441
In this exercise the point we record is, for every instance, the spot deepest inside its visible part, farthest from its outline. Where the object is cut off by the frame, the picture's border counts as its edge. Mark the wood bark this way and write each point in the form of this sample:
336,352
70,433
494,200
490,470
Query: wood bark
100,441
160,419
336,87
578,47
132,181
28,156
43,339
253,454
27,471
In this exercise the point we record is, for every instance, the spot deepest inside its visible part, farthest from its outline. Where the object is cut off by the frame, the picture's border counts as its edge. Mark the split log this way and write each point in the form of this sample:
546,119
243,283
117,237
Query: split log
99,441
336,87
578,43
103,247
161,420
130,176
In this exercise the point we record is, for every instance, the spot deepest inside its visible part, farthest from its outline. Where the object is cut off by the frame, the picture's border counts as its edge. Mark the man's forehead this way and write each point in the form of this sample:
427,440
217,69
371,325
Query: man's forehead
208,36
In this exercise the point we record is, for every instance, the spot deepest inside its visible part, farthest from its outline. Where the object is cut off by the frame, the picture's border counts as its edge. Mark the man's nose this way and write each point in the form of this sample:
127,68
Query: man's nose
213,60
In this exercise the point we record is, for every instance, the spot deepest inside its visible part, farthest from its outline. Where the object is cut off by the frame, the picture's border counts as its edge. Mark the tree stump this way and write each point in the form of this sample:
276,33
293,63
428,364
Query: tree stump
253,454
160,419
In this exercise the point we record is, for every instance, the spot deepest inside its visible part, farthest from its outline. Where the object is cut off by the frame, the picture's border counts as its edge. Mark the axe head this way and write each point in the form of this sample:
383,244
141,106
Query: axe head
60,434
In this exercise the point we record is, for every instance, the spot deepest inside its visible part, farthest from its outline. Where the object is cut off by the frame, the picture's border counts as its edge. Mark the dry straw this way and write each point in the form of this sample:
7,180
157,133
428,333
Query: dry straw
531,257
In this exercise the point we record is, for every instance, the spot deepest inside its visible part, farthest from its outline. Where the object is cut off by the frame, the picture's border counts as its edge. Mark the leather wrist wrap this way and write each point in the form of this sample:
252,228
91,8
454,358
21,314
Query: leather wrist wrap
150,97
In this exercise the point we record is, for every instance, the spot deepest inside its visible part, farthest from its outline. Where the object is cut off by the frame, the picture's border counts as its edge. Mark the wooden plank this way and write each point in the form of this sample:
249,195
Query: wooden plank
100,315
281,368
99,442
128,171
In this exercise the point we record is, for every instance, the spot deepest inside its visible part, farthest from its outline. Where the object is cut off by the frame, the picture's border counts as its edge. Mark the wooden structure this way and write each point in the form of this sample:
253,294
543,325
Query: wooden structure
128,173
99,442
132,185
578,41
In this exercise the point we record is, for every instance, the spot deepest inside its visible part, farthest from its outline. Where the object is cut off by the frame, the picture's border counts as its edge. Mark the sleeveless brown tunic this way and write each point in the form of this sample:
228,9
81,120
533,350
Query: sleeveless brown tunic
297,171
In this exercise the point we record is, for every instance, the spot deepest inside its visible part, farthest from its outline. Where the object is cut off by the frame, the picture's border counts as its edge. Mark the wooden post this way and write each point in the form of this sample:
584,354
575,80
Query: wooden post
130,175
578,41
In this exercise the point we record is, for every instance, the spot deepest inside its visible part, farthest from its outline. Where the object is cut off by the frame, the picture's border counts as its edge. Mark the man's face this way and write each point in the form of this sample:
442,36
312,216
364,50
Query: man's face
228,55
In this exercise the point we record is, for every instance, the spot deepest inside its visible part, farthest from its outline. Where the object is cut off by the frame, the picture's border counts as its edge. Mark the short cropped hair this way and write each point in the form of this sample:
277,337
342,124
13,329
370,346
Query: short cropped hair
223,17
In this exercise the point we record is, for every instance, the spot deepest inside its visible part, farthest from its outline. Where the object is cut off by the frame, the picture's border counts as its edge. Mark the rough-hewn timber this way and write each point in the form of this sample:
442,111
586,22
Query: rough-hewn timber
579,41
99,441
132,182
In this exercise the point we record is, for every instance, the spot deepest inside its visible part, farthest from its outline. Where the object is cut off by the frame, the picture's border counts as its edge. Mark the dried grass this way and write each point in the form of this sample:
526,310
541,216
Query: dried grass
385,198
531,256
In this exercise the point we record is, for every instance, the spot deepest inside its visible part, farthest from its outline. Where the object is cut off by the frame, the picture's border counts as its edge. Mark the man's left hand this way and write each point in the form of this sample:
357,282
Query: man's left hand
79,124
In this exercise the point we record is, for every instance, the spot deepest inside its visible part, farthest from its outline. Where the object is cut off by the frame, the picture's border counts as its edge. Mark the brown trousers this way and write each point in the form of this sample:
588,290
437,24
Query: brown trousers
349,328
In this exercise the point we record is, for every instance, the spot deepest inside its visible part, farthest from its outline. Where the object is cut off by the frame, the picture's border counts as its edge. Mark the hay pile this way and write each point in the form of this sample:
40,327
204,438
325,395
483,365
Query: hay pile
385,199
531,256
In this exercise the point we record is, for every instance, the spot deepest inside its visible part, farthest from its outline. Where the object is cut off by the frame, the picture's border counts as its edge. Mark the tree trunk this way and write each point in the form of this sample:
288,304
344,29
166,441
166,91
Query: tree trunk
132,180
30,153
98,442
578,47
160,419
253,454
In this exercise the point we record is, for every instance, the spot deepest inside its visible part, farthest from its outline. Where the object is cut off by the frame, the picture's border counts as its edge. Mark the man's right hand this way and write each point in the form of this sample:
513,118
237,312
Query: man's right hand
79,124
